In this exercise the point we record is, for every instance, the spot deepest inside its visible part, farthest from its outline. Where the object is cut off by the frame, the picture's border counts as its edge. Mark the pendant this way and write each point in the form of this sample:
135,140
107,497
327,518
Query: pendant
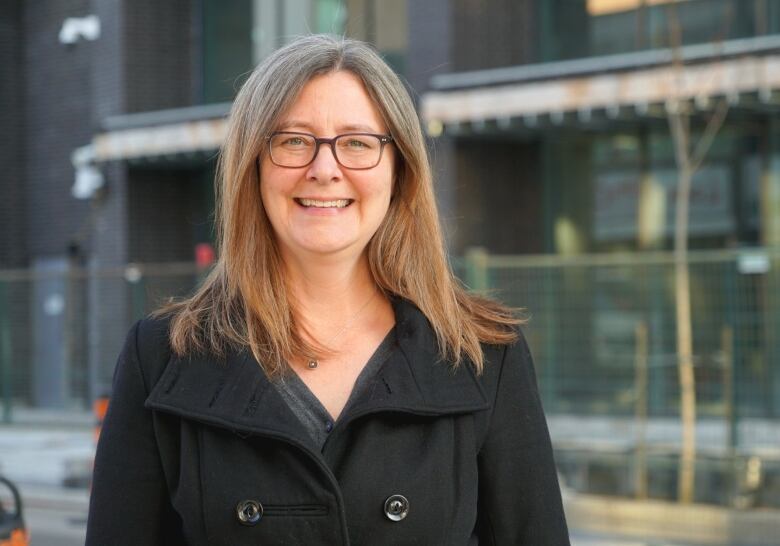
313,364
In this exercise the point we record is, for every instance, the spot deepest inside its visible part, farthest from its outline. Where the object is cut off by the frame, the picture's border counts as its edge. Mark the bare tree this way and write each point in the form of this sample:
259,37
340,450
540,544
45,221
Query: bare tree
688,159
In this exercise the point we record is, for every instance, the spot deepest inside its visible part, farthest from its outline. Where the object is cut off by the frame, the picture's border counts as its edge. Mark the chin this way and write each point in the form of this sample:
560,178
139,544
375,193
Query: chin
327,247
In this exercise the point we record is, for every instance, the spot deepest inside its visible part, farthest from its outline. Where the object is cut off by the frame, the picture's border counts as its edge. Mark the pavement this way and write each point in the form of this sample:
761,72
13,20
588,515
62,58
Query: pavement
652,522
48,455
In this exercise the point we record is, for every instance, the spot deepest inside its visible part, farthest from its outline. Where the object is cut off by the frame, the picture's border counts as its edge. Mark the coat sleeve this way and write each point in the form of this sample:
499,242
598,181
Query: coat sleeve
129,504
519,497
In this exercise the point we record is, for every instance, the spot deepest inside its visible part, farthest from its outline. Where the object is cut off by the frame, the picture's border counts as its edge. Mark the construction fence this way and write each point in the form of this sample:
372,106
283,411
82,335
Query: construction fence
601,327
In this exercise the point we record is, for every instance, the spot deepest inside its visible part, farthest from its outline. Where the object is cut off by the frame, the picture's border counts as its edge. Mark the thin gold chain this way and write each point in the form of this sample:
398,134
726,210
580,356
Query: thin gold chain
313,363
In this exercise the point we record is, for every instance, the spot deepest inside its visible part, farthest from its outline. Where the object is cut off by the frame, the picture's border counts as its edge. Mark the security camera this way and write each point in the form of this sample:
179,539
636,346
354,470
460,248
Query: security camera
75,28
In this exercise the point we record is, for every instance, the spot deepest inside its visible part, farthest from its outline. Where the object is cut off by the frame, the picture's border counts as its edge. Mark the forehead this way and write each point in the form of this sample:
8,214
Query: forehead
334,101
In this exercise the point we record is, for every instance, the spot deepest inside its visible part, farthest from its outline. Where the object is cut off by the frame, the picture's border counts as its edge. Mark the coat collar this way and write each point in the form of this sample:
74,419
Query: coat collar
236,394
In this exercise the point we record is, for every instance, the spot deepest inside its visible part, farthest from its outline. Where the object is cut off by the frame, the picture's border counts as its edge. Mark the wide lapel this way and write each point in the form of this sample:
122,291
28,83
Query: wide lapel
232,393
415,380
235,393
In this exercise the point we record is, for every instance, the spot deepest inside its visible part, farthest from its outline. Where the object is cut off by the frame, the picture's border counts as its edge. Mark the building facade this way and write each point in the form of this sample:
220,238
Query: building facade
562,145
549,132
114,112
556,170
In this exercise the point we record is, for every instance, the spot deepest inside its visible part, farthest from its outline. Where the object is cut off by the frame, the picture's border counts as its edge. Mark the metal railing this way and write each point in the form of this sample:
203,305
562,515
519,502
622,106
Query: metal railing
601,328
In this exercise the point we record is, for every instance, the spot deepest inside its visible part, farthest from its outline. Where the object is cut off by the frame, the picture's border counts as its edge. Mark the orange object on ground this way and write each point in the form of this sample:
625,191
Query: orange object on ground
12,529
19,537
99,408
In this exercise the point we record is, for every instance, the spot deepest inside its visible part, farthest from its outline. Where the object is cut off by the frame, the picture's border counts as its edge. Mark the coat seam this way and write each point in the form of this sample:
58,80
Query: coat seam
495,399
492,531
137,358
411,372
200,483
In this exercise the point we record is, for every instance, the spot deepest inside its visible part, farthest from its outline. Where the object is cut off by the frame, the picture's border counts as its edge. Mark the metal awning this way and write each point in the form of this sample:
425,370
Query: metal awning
163,133
639,82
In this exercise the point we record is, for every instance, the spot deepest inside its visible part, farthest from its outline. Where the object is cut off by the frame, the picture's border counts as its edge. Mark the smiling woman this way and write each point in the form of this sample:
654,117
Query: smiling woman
330,382
328,199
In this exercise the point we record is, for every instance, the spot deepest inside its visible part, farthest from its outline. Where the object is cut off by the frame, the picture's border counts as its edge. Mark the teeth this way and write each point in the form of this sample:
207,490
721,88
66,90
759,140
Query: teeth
337,203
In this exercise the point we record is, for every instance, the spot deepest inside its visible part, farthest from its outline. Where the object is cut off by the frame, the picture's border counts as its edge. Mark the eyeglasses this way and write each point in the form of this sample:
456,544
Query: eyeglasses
351,150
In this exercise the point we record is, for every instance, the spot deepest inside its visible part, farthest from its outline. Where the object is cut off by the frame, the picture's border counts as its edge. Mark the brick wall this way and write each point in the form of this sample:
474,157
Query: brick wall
13,247
158,45
492,34
57,120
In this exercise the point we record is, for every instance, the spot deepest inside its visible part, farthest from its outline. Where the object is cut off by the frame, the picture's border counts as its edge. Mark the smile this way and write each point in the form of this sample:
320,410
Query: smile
333,204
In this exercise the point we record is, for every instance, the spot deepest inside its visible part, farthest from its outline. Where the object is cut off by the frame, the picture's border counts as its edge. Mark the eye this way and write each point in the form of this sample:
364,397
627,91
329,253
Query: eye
357,143
291,141
294,141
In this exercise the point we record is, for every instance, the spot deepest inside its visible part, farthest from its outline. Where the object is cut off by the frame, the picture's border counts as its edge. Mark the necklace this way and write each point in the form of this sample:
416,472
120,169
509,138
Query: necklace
313,363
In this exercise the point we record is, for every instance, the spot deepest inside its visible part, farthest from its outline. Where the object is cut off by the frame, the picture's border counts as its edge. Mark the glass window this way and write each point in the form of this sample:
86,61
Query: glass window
227,47
239,34
382,23
329,16
605,27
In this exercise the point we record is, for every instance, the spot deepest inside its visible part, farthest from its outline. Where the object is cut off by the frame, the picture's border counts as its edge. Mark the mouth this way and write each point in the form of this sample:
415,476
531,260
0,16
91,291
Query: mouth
323,204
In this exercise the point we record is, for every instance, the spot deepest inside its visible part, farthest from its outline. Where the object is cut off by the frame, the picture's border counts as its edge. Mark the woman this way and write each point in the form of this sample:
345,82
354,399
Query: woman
330,382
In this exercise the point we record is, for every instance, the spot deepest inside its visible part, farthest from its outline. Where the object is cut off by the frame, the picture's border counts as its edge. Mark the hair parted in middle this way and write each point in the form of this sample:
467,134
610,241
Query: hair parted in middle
245,301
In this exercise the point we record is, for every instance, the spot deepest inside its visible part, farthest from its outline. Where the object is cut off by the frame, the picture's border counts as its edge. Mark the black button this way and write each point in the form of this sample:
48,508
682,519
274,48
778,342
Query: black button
249,512
328,426
396,507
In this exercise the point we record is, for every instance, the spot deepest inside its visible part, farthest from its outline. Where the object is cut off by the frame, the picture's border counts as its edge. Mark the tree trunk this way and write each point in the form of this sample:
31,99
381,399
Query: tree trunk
687,473
688,162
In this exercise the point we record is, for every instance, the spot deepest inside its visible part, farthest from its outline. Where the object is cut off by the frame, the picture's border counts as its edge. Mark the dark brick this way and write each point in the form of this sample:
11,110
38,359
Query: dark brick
13,243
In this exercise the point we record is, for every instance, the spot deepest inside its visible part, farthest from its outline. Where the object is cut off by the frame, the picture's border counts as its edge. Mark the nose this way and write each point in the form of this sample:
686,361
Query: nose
324,167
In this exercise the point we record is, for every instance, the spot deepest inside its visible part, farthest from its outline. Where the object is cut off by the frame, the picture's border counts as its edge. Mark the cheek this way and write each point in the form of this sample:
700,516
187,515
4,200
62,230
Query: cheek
273,192
381,203
266,201
379,192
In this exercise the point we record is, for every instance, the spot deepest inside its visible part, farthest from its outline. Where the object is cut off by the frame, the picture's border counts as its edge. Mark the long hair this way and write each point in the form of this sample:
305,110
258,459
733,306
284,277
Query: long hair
245,302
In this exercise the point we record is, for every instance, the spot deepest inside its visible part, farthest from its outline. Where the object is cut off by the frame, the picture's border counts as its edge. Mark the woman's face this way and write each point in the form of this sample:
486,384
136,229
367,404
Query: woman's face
325,208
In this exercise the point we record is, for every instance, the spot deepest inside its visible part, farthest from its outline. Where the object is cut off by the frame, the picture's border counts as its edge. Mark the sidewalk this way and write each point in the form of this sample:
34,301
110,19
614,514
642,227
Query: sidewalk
41,497
657,522
46,456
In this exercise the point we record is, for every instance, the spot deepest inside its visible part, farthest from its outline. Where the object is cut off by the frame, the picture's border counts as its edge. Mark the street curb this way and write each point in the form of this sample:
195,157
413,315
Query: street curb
658,520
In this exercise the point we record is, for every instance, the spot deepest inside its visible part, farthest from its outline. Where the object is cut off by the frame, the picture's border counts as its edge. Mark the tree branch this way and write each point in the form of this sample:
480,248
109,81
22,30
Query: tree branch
713,126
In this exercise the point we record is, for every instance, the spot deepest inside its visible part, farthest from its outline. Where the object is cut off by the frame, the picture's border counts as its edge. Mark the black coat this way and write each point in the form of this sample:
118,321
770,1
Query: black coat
461,459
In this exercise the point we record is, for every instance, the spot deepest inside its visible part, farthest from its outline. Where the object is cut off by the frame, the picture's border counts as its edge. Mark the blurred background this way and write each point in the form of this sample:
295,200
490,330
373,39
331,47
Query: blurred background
611,166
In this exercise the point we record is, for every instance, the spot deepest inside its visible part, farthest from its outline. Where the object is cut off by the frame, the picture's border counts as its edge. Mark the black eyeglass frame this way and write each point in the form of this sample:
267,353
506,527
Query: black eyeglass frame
383,140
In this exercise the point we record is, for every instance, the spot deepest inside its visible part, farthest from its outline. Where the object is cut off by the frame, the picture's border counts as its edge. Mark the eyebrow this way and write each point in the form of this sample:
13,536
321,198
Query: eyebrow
349,127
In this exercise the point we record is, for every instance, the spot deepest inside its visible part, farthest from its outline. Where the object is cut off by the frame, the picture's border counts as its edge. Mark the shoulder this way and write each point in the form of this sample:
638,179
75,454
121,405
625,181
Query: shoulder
509,382
147,344
508,370
499,357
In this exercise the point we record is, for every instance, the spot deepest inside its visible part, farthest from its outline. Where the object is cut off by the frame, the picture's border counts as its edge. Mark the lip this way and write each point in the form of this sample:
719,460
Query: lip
323,211
299,200
323,198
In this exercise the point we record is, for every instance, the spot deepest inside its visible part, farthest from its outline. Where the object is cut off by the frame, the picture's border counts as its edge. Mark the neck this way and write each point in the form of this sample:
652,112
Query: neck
329,293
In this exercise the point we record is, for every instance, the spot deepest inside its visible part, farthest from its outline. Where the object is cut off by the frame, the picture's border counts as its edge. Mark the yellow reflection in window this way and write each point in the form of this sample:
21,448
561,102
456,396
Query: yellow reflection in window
605,7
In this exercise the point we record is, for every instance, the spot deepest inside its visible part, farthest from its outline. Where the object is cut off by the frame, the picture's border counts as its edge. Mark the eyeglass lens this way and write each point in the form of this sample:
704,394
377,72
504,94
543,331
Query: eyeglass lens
355,151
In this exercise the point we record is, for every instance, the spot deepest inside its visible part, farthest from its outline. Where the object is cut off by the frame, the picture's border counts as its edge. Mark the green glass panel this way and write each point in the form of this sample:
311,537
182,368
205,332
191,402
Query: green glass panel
329,16
227,47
